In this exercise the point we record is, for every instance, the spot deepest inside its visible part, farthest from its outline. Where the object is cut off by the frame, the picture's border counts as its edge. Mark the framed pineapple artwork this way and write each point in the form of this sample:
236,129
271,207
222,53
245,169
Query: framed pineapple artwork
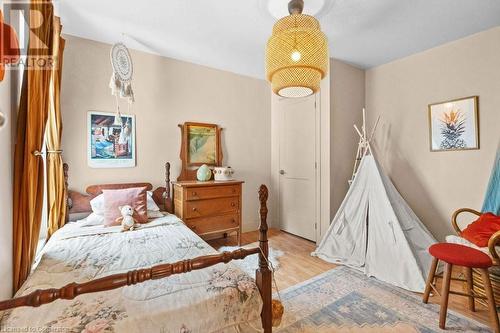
454,125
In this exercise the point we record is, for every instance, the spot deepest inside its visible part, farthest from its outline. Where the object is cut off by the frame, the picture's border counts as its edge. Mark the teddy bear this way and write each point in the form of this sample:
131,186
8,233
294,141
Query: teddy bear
127,220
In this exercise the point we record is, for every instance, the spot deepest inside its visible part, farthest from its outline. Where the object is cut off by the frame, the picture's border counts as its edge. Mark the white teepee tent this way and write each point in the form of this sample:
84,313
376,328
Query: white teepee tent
376,231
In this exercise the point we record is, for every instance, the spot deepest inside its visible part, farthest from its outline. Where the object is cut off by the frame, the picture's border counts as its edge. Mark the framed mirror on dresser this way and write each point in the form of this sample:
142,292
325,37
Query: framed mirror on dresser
210,208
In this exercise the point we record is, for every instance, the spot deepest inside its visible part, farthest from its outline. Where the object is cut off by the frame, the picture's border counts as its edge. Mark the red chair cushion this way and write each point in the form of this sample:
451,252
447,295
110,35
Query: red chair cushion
480,231
460,255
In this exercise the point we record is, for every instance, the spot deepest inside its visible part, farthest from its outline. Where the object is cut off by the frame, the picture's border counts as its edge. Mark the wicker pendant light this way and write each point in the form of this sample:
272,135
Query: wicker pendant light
297,54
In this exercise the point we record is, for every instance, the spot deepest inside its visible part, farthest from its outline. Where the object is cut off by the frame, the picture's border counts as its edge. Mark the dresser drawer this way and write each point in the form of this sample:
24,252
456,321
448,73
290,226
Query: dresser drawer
204,225
211,207
197,193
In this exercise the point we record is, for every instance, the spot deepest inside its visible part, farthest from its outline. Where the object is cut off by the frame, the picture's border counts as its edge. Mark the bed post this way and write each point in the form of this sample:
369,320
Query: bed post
66,186
263,275
168,198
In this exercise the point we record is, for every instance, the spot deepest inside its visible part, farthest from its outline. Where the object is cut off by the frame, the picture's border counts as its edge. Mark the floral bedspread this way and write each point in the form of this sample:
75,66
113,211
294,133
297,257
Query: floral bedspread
220,298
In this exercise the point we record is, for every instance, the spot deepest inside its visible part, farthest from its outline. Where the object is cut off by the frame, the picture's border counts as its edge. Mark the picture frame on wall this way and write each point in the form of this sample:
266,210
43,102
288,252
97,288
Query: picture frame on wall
454,124
110,142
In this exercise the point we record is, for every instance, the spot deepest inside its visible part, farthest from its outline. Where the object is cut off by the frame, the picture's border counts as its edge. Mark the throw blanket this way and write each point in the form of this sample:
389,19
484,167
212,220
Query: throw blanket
492,198
216,299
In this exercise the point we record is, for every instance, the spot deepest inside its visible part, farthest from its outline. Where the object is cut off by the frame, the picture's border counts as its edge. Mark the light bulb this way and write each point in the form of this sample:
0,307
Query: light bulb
296,55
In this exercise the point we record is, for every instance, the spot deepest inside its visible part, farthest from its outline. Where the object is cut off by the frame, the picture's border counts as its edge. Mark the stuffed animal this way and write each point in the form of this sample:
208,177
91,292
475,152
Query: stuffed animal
127,220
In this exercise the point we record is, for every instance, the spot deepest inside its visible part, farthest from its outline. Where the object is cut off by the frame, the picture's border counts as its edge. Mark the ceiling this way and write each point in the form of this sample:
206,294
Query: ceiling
232,34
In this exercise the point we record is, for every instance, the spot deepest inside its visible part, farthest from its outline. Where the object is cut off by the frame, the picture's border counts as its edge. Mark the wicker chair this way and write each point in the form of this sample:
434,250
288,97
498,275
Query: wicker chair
492,251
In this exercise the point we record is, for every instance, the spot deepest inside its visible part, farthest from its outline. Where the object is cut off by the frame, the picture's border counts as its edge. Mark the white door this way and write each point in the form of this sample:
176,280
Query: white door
297,164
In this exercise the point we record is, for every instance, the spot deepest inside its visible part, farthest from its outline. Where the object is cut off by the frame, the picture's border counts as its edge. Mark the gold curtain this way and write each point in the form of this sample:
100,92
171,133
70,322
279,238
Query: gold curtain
56,189
32,118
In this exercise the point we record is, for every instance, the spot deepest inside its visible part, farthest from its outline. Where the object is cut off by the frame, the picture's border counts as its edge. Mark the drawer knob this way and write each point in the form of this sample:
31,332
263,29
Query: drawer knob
234,190
233,204
194,193
195,209
193,227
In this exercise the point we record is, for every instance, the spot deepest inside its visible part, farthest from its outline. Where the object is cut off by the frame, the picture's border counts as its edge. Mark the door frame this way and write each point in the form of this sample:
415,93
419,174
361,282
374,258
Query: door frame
322,159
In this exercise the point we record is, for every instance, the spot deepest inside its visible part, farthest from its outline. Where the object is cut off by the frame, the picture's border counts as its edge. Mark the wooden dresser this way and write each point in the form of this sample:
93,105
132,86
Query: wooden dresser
209,208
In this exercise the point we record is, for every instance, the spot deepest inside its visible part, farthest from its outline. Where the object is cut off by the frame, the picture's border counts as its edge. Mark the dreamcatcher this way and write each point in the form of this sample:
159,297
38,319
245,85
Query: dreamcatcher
121,79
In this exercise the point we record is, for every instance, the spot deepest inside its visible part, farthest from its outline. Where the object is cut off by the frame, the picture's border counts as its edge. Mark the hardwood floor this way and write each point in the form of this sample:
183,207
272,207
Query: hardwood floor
297,265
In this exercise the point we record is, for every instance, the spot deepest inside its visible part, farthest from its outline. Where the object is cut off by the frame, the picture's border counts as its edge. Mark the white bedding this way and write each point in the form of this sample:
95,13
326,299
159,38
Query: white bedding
216,299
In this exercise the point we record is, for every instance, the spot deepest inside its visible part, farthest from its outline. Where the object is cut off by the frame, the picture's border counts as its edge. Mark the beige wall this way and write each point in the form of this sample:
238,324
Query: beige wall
6,190
168,92
435,184
347,99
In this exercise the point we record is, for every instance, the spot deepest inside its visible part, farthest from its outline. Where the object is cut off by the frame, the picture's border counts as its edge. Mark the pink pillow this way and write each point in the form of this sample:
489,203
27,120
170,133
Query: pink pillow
135,197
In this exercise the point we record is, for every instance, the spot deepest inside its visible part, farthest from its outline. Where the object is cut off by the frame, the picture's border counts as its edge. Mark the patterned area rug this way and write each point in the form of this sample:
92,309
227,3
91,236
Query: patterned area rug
251,263
344,300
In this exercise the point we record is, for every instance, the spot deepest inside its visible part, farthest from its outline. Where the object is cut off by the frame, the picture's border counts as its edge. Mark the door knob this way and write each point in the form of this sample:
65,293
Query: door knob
282,172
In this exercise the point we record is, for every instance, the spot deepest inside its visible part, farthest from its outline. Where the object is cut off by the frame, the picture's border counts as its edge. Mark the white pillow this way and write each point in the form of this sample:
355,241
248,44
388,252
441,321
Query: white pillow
97,204
96,219
152,206
462,241
91,220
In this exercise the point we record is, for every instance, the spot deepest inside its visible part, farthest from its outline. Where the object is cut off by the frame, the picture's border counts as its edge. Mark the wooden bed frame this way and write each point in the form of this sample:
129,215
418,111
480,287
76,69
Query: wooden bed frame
80,203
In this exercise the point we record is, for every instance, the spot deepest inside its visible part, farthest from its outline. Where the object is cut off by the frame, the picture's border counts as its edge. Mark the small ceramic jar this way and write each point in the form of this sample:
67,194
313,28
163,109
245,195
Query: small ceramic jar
223,173
204,173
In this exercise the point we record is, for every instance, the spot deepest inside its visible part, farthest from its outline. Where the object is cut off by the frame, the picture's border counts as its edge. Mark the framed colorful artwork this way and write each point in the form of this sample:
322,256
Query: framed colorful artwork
201,144
454,125
110,140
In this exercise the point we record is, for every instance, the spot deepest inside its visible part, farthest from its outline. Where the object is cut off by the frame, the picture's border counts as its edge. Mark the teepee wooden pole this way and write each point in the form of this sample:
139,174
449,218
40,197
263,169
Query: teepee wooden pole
364,146
359,154
359,133
356,161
